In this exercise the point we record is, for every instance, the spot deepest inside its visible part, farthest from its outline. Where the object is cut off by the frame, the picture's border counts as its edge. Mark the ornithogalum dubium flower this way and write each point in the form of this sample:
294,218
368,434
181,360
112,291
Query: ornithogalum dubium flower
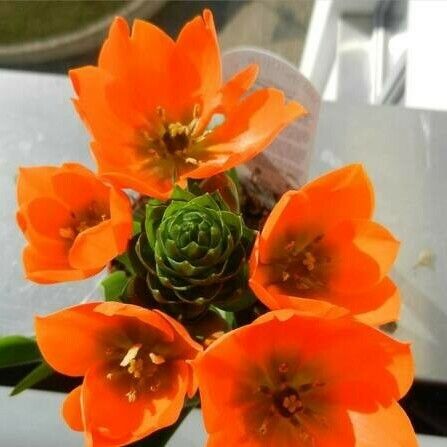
320,244
73,222
303,380
159,111
135,367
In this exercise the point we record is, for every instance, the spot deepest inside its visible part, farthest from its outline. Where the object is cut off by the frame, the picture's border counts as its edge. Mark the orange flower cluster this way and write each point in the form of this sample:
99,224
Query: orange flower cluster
312,371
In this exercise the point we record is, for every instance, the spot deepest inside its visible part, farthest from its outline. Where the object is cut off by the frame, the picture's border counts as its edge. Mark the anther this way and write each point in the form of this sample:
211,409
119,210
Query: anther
67,233
135,368
263,428
130,355
155,387
157,359
283,368
285,276
132,395
309,261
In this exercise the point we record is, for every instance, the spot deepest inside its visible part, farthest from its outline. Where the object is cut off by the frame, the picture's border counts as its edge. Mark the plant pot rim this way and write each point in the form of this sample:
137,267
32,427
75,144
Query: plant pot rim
76,42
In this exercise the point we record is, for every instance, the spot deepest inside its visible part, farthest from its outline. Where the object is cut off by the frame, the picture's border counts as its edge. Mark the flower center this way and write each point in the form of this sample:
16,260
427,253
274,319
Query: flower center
304,267
91,216
174,139
288,401
142,368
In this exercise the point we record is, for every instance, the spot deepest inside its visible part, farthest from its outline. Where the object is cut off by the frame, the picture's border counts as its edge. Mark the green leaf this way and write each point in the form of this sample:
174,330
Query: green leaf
232,173
125,262
17,350
181,194
136,227
38,374
114,285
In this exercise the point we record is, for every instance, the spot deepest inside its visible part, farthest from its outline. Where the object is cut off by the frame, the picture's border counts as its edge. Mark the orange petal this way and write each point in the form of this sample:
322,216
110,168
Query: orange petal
185,346
309,212
335,432
78,187
90,84
291,219
153,319
47,216
72,340
114,421
71,410
356,381
343,348
343,193
377,306
362,252
94,247
304,305
116,53
121,218
139,83
144,181
150,72
34,182
198,40
233,90
388,427
48,270
247,130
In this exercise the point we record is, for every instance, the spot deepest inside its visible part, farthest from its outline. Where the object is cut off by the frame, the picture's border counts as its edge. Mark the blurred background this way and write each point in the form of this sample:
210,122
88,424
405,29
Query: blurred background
356,51
53,36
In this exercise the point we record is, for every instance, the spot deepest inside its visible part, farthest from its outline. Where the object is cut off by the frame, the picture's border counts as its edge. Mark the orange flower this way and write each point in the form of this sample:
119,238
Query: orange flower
155,107
73,222
319,243
135,367
295,379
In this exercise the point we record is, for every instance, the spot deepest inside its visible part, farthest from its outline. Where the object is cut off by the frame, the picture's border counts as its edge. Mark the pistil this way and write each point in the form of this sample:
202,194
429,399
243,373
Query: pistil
287,401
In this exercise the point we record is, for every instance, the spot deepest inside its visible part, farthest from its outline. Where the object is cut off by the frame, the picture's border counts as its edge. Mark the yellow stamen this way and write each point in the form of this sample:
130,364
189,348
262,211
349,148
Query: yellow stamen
135,368
263,428
154,387
157,359
192,161
131,355
67,233
132,395
309,261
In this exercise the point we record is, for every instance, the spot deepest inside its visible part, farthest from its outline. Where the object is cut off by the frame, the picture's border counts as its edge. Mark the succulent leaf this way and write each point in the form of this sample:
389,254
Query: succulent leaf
193,250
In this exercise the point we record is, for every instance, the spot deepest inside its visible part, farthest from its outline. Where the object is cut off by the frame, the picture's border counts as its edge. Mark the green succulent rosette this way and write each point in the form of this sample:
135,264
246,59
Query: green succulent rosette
194,252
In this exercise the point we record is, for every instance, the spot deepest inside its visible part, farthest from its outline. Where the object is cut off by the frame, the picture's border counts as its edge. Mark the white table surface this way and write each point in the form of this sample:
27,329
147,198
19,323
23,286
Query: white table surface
405,153
37,126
